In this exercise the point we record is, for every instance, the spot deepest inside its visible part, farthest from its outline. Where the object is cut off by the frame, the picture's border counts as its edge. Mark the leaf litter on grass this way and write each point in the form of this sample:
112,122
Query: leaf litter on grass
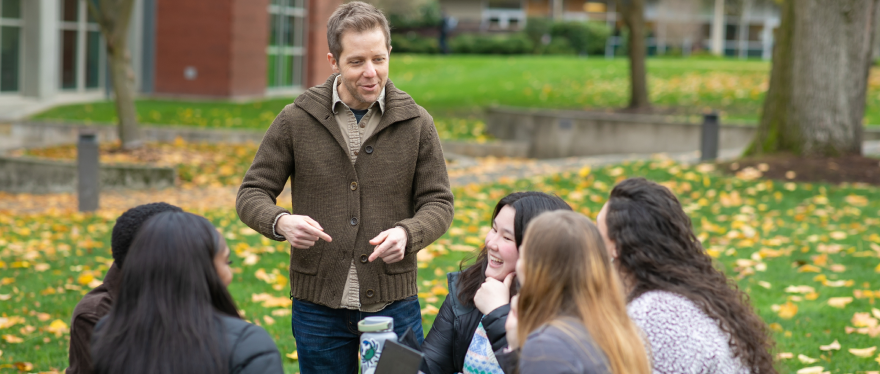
783,245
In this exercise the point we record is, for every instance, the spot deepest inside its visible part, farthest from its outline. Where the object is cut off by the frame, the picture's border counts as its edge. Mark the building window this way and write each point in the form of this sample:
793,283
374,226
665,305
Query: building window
82,52
10,45
286,39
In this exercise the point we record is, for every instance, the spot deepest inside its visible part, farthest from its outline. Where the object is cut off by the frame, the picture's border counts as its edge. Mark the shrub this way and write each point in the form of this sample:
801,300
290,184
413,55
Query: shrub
498,44
584,37
414,43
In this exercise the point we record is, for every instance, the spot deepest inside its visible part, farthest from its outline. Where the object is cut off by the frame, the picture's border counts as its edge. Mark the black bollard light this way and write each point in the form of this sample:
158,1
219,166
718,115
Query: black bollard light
709,137
87,172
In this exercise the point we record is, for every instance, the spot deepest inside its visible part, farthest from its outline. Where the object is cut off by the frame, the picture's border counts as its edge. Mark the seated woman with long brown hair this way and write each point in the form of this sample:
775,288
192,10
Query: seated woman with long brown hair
570,313
695,318
173,314
470,324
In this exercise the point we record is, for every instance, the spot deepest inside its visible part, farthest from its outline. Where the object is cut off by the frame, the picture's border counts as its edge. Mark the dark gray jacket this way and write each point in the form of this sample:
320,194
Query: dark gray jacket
252,350
249,347
550,350
454,328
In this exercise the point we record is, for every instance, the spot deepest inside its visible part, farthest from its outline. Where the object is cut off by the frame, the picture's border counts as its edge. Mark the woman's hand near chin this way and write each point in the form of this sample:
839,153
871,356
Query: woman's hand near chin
493,294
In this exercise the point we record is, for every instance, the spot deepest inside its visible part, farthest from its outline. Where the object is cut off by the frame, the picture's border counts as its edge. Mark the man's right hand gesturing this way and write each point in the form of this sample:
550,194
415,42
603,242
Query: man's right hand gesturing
301,231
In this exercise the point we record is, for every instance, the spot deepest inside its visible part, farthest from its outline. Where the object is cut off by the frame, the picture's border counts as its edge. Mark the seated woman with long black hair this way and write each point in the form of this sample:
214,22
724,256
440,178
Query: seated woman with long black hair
695,318
570,315
470,324
173,314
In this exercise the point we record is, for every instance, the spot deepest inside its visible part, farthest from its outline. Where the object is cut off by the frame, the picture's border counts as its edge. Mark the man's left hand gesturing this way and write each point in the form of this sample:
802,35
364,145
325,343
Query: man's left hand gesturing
390,245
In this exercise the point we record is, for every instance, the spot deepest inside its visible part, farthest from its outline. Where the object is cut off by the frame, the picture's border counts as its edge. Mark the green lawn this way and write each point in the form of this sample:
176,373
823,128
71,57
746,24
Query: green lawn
768,235
455,89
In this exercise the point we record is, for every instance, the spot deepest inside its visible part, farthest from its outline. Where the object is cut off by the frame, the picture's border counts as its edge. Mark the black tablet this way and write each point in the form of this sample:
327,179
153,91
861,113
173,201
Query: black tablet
398,359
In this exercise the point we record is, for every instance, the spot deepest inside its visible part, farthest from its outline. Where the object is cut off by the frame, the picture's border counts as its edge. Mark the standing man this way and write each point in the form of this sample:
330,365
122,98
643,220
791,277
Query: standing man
369,187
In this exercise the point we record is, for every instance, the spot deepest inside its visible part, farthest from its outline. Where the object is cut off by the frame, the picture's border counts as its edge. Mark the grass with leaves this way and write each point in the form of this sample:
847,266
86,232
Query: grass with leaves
807,255
456,90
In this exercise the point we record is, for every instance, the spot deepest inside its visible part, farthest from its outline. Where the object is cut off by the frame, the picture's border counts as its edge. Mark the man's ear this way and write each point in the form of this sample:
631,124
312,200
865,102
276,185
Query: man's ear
333,63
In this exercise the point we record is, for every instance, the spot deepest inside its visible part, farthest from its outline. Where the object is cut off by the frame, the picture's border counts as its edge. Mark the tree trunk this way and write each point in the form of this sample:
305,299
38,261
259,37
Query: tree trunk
114,16
818,82
123,90
633,12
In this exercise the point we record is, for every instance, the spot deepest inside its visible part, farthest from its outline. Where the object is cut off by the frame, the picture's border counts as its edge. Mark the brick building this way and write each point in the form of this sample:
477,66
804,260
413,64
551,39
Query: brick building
51,52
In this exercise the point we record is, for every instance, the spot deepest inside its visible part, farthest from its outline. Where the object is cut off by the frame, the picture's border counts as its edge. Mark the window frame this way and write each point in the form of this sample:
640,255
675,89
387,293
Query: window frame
20,24
82,27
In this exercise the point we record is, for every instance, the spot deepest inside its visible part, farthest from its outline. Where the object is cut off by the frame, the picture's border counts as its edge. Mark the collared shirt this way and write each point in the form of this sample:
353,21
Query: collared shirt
355,133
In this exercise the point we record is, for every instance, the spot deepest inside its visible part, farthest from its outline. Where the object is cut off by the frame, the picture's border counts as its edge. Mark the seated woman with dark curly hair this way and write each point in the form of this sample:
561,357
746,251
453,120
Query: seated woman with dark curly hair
696,320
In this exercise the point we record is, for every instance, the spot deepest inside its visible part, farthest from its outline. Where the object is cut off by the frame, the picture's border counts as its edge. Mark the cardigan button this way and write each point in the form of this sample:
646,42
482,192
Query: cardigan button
354,186
370,293
369,149
364,259
354,221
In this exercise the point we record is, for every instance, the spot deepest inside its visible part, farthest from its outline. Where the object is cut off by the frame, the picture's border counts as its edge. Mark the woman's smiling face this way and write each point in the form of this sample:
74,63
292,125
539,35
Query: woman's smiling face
501,245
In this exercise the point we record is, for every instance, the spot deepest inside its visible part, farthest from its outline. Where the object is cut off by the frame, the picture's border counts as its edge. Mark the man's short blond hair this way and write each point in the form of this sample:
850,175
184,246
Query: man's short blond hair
355,16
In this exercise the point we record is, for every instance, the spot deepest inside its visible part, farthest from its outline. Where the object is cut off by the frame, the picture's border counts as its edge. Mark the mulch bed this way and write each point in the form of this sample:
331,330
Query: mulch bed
835,170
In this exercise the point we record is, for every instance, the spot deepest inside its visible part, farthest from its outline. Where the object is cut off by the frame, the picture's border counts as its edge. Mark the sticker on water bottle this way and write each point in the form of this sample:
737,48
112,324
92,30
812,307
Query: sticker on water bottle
370,351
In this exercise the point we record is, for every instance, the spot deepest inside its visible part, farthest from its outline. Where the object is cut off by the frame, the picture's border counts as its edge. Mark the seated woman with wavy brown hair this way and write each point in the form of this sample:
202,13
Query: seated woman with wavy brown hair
695,318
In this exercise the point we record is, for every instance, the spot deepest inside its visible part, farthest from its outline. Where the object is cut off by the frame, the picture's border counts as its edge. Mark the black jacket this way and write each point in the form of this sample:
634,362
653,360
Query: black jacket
453,329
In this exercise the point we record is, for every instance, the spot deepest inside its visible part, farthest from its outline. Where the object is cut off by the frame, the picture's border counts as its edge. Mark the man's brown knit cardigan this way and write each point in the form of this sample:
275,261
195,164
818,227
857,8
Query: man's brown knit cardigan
399,179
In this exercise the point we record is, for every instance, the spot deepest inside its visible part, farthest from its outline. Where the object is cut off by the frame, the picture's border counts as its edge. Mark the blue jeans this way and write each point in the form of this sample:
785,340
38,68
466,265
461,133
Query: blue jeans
327,338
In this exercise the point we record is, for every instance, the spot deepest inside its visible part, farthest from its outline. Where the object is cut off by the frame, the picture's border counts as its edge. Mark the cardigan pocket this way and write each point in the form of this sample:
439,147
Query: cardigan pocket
406,265
306,261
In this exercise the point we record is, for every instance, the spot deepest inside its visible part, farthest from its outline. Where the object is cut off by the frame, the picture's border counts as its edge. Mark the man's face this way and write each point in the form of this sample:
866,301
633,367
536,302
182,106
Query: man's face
363,67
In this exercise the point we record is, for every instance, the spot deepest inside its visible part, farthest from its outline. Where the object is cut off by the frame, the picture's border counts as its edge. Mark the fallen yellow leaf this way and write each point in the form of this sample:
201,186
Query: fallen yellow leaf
12,339
24,366
863,352
800,289
834,346
785,356
785,311
430,310
863,320
293,356
85,279
838,235
439,291
812,370
268,320
839,302
837,268
806,360
281,312
7,322
58,327
270,301
809,269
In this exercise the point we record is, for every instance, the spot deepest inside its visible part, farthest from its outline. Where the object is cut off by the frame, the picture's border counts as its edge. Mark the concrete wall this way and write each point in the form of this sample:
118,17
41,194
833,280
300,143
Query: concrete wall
560,133
29,175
